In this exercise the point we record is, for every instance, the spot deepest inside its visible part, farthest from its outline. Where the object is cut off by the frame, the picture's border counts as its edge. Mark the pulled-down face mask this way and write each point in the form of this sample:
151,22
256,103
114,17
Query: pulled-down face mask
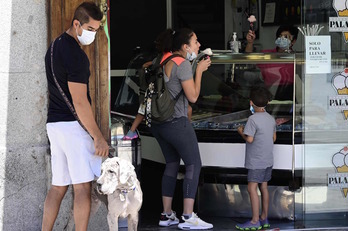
191,56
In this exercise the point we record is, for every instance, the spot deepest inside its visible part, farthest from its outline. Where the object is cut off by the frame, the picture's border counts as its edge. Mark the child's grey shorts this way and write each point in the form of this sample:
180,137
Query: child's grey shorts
260,175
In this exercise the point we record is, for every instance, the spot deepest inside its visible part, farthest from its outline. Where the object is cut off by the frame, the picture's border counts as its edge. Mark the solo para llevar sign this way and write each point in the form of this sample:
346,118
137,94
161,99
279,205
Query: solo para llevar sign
318,54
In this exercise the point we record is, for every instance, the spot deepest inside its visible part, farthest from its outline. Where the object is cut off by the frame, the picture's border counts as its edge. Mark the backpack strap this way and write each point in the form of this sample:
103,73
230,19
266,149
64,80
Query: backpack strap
177,59
166,60
165,55
158,60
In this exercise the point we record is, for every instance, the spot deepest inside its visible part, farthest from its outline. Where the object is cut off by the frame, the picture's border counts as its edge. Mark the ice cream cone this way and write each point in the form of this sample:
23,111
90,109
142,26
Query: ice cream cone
345,190
343,169
343,91
252,20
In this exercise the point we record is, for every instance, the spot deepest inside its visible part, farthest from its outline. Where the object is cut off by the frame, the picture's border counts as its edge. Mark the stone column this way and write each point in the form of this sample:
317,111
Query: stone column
23,103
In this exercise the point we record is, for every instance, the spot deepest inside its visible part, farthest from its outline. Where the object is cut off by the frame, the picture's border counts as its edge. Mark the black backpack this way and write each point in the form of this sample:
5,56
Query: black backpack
153,91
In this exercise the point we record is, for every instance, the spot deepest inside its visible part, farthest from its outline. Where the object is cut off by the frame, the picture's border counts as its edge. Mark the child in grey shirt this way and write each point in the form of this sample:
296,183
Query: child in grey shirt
259,134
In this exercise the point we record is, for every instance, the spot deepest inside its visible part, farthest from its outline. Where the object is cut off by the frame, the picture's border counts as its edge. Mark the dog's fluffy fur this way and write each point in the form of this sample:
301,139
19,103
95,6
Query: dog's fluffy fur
119,182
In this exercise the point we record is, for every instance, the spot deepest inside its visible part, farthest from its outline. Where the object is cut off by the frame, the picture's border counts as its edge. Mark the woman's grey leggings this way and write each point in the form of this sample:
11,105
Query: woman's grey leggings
178,140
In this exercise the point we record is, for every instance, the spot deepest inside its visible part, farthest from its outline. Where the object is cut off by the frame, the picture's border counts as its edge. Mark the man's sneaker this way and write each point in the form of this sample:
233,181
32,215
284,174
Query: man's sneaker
194,222
166,220
265,224
248,226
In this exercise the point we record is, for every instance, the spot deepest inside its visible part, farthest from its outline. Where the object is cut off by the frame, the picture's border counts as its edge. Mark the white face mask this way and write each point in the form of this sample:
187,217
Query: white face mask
191,56
87,37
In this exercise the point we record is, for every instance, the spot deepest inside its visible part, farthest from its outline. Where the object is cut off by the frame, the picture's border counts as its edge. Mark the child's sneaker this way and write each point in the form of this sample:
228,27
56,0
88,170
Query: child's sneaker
194,222
130,135
249,226
166,220
265,224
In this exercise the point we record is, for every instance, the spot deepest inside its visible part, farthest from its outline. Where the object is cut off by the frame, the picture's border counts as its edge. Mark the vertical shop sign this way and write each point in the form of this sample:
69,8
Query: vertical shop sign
318,54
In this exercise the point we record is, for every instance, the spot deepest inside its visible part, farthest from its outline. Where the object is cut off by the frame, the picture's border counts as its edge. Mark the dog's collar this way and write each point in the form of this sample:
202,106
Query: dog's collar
124,192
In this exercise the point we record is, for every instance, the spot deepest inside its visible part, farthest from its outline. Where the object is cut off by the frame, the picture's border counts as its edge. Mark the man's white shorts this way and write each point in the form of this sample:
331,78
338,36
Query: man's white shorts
72,154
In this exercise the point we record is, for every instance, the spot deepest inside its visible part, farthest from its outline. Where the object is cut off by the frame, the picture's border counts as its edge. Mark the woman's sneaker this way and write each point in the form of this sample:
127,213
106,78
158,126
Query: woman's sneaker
194,222
166,220
265,224
248,226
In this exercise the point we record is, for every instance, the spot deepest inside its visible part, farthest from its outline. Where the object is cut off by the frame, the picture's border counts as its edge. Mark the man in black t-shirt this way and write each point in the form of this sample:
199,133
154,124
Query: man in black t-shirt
77,144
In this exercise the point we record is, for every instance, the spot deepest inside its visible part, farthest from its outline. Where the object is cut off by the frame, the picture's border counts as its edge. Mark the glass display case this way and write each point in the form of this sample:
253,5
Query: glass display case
224,105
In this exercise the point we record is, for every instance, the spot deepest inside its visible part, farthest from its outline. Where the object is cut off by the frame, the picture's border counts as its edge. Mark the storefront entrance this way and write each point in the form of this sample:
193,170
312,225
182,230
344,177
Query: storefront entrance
310,180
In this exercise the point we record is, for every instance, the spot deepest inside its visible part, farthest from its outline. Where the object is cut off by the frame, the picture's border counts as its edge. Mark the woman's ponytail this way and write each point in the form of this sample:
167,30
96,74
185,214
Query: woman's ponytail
170,40
164,41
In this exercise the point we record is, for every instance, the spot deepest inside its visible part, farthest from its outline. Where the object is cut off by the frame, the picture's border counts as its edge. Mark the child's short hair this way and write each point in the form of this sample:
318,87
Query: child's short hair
260,96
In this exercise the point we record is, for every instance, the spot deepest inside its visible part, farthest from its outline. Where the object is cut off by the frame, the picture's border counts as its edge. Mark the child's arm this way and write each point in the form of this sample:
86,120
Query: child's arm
248,139
132,134
147,64
138,119
274,136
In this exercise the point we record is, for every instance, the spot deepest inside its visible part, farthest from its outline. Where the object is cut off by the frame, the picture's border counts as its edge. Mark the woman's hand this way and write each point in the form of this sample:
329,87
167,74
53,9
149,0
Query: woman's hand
203,65
192,87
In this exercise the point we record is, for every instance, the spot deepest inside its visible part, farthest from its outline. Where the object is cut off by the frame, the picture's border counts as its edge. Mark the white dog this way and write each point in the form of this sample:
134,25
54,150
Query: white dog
119,182
120,185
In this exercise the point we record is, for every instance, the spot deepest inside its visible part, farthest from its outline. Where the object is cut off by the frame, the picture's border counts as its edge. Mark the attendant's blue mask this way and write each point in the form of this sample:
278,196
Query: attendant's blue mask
282,43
